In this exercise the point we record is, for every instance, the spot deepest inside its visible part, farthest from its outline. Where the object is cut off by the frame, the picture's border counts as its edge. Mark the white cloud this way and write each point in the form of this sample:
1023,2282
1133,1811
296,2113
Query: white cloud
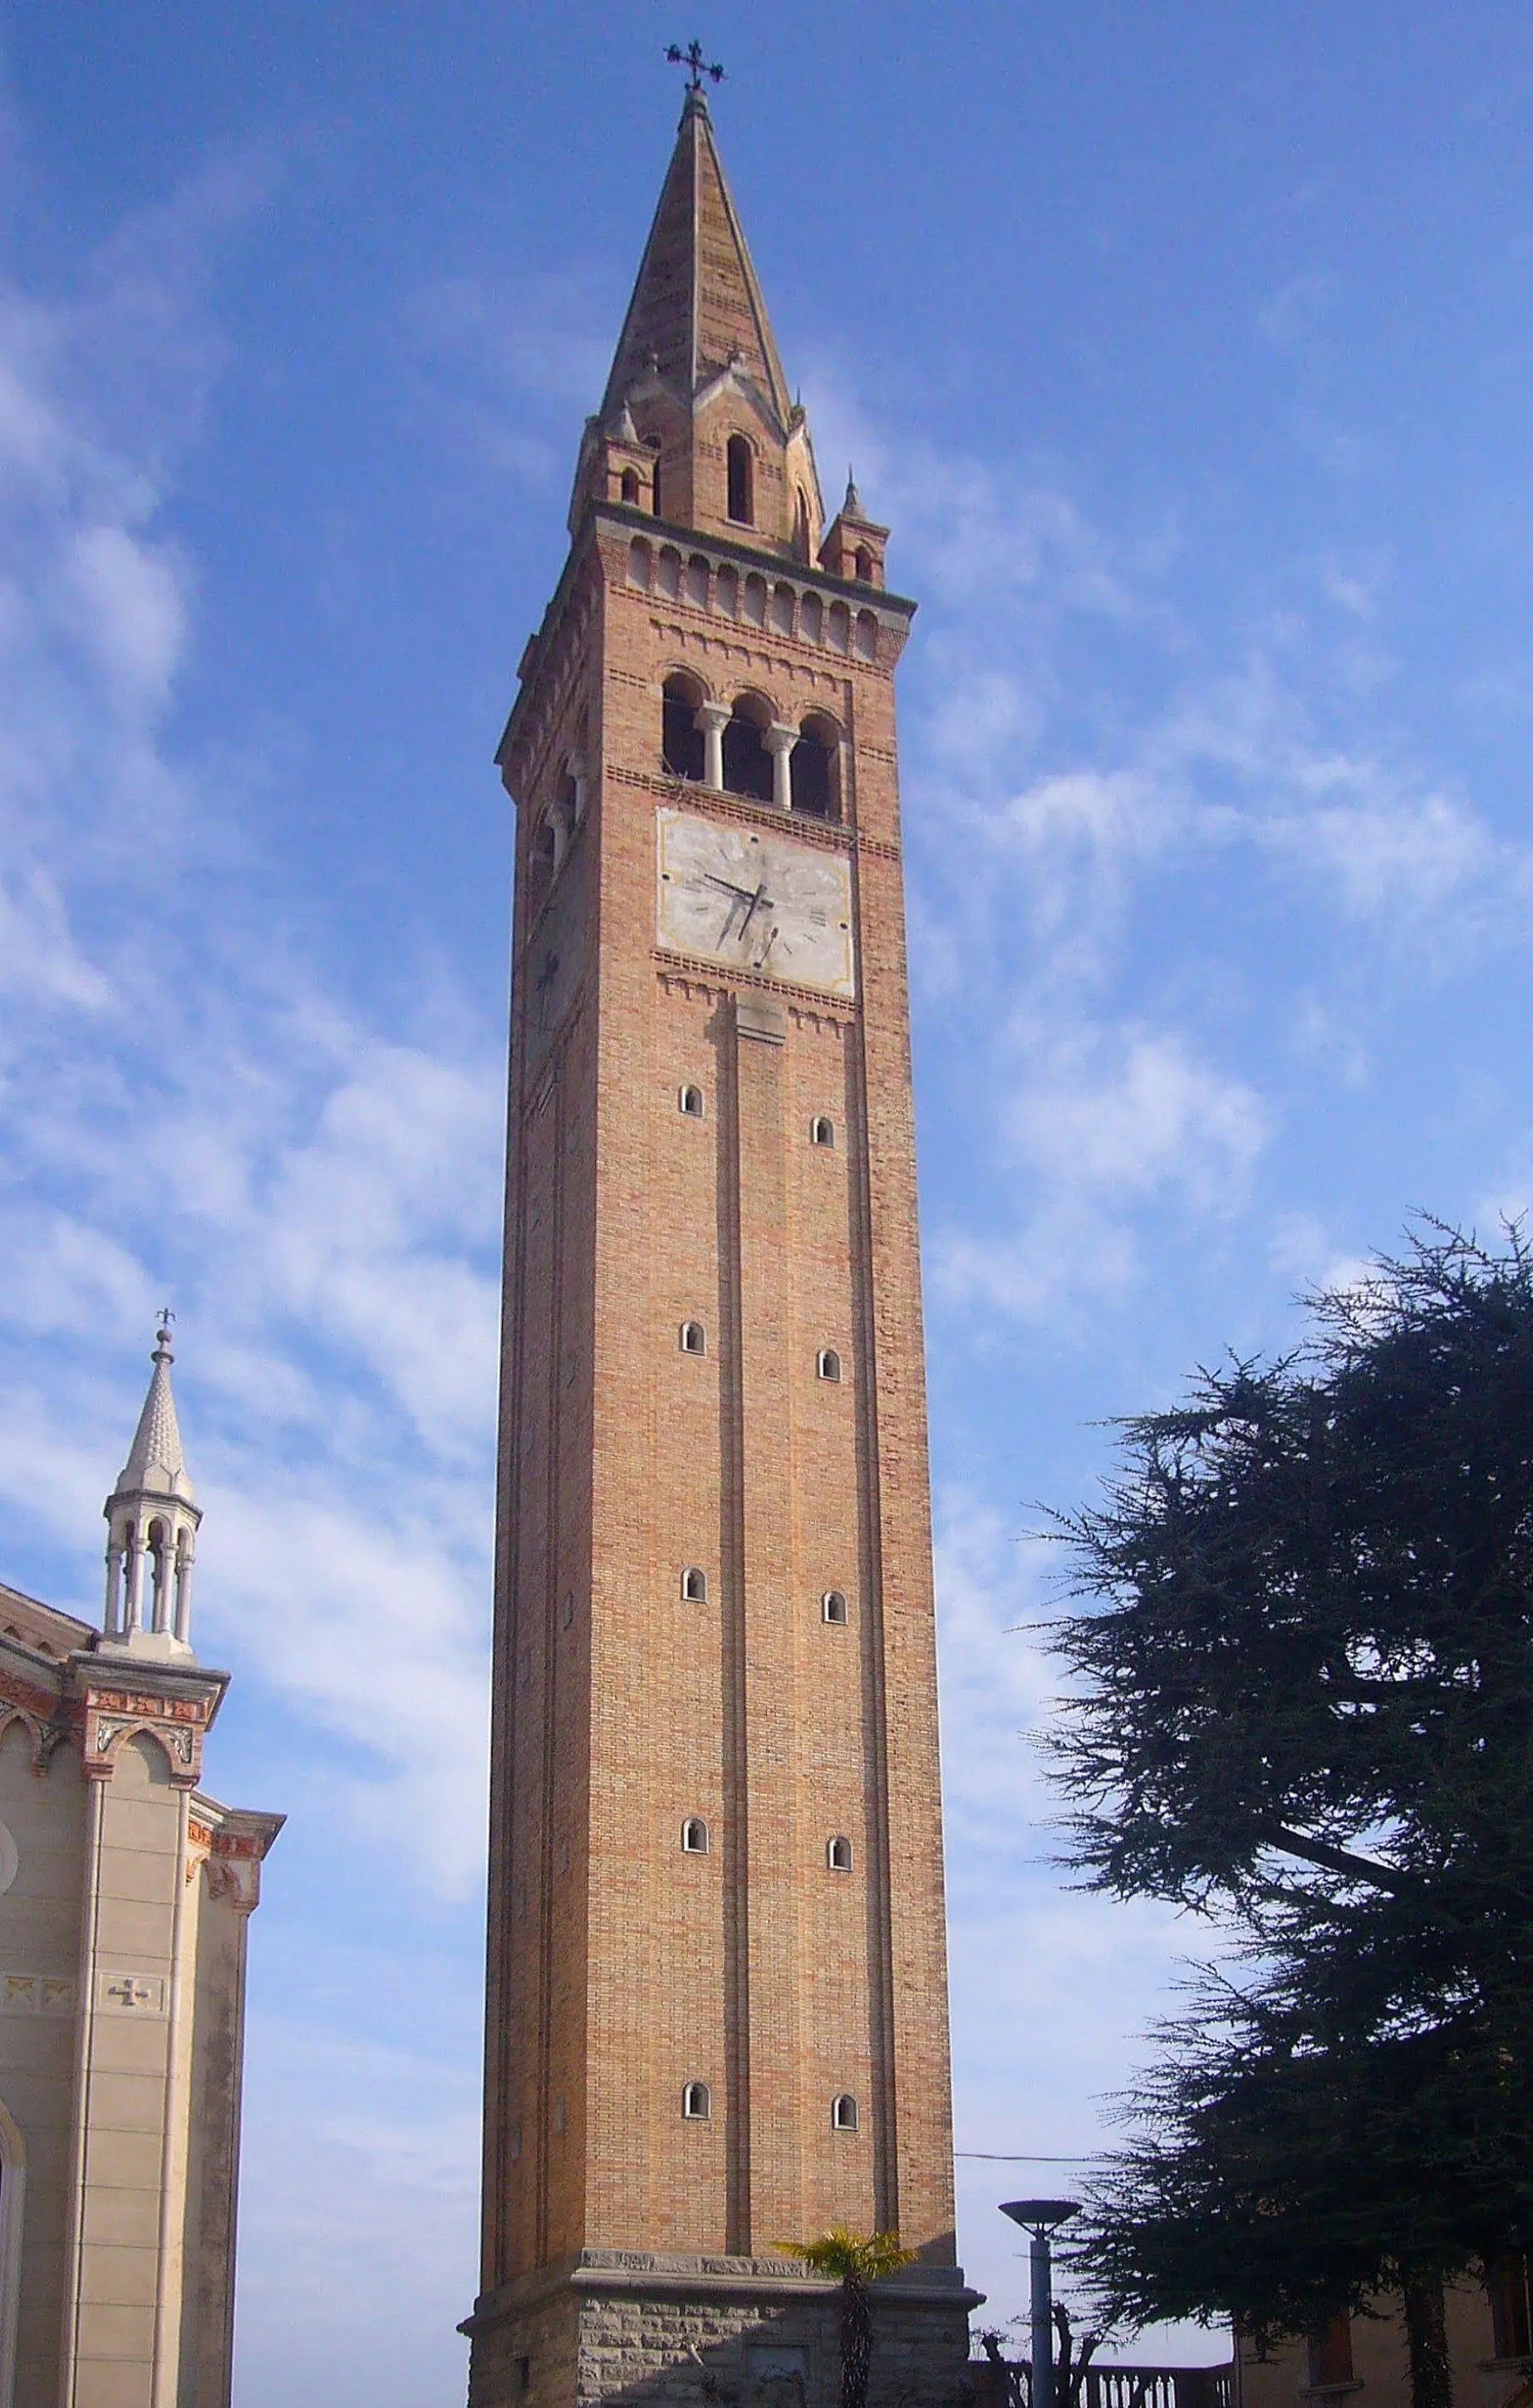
1149,1118
127,600
187,1115
1396,854
1102,1121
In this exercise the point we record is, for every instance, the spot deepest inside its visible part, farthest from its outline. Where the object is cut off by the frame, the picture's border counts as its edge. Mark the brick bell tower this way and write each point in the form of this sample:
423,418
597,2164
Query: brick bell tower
717,2014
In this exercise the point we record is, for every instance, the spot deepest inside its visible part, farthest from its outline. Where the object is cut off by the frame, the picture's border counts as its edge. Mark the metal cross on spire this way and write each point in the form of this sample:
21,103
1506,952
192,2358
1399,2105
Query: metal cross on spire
692,58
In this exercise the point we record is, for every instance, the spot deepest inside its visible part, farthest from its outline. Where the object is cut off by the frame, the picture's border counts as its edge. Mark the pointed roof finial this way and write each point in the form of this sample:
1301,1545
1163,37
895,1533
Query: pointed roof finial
157,1463
852,506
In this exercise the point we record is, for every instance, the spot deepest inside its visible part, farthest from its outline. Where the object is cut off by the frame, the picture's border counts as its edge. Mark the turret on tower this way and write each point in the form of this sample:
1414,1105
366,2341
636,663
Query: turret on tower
151,1525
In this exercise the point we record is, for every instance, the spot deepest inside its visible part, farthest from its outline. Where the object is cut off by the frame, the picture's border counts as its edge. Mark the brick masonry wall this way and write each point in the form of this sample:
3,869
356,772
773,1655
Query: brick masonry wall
620,1968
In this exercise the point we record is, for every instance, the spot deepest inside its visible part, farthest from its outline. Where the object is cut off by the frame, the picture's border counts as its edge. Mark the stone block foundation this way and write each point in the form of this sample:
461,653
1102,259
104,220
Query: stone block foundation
710,2332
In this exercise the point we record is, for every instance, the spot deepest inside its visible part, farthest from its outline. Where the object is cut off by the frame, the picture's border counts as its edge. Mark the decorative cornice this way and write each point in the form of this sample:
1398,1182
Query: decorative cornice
664,2275
174,1707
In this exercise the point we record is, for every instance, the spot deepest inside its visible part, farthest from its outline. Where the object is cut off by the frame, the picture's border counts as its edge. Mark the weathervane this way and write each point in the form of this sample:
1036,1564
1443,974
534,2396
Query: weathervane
692,57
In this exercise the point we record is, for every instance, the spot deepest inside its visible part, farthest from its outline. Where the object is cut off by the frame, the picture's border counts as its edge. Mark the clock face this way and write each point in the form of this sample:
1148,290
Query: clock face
754,900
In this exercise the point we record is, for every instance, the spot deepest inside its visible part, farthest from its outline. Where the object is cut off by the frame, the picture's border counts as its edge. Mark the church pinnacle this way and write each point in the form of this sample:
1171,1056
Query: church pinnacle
152,1521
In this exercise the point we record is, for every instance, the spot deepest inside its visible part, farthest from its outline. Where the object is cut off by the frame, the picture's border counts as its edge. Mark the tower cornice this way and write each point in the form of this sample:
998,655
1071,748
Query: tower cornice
896,610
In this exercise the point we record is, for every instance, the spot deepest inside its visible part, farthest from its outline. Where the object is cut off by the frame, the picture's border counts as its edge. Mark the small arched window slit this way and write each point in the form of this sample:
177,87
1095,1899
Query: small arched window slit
694,1836
694,1585
843,2113
631,487
694,2103
832,1605
821,1131
838,1854
689,1100
828,1364
693,1341
740,472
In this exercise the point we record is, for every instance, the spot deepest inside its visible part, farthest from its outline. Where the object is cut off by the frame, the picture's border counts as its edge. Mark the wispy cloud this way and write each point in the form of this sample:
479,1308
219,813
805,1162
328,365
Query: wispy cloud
1083,758
187,1112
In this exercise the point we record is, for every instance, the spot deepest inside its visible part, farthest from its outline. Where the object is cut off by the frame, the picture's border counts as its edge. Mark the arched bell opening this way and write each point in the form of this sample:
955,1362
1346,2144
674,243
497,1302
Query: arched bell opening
813,768
748,764
681,738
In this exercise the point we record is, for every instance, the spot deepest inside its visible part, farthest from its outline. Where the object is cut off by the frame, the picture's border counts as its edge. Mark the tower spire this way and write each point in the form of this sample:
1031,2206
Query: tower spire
151,1525
698,426
697,304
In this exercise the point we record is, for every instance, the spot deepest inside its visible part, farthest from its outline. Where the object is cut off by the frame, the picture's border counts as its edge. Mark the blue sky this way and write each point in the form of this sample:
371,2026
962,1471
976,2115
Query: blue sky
1187,350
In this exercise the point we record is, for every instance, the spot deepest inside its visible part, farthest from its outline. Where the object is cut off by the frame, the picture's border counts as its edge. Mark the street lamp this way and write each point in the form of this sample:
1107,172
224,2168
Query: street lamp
1038,2217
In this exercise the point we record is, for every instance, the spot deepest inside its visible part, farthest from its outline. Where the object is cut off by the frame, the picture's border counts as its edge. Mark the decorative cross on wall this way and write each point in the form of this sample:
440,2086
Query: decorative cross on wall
692,57
129,1993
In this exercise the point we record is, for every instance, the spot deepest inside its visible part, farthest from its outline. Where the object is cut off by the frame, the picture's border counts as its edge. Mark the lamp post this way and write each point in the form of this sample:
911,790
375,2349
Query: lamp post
1038,2217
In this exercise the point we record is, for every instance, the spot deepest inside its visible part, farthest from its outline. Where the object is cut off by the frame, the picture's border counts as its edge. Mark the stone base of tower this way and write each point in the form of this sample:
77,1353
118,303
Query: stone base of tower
710,2332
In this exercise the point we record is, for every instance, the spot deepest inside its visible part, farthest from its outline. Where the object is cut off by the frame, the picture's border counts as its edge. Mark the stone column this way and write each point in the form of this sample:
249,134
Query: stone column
713,718
133,1617
779,742
112,1619
163,1561
184,1587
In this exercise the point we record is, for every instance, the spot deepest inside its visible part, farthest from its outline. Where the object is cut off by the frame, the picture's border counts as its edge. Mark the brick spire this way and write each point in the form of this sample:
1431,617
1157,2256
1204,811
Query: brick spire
696,306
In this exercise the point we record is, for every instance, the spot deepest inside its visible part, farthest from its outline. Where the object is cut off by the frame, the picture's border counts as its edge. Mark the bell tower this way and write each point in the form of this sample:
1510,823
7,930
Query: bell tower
718,2016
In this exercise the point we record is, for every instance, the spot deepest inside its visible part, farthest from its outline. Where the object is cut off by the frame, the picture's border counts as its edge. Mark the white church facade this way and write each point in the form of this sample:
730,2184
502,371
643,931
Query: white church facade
125,1893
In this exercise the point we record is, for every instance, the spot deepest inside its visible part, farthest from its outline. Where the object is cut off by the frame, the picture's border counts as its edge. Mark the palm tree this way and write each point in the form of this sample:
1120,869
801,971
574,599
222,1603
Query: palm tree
854,2260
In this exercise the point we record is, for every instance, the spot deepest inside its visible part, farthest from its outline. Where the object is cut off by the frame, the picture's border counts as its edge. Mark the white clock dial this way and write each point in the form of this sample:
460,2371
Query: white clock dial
755,900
